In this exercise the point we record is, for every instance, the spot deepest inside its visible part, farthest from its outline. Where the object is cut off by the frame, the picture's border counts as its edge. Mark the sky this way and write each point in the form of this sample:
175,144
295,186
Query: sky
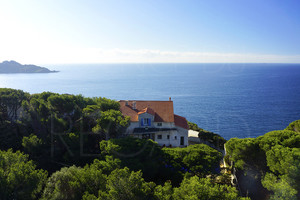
150,31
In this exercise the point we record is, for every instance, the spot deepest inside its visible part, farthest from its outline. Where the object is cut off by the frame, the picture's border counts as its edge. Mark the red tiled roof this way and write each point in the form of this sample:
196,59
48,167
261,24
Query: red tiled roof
181,121
147,110
163,109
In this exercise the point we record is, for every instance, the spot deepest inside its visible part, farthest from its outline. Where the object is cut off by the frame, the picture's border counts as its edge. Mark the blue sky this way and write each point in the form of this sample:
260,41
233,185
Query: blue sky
95,31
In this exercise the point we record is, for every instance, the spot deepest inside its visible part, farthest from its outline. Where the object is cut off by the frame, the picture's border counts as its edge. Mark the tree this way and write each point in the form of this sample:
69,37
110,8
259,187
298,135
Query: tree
294,126
11,129
216,140
137,154
245,152
198,158
32,144
275,157
280,187
112,122
123,184
19,178
74,182
11,102
196,188
164,192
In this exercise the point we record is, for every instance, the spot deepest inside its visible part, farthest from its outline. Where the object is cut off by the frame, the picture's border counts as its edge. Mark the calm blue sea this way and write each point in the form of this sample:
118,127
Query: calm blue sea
233,100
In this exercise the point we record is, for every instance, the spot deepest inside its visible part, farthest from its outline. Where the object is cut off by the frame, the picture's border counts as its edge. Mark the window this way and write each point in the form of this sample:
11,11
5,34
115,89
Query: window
159,136
175,137
181,140
159,124
168,137
146,136
146,122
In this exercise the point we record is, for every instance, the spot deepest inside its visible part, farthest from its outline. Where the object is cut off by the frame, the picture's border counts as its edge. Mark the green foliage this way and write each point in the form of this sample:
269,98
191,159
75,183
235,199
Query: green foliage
196,188
107,104
10,108
294,126
56,122
45,122
74,182
106,166
280,159
194,126
160,165
276,155
112,122
123,184
284,138
208,136
164,192
136,154
281,188
32,144
19,178
198,158
92,182
10,103
245,151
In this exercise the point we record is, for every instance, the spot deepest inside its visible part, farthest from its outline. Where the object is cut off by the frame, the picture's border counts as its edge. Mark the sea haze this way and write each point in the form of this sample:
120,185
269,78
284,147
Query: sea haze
233,100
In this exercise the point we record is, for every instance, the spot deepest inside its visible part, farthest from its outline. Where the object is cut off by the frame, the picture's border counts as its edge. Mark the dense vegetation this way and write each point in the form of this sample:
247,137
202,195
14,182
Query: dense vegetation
55,128
273,157
209,137
61,146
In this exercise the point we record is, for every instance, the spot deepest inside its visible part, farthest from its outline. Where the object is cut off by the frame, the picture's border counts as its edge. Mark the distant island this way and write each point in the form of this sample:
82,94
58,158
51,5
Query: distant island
8,67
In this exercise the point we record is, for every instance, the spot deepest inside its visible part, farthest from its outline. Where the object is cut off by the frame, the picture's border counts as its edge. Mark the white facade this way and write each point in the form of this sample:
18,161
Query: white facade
164,133
155,120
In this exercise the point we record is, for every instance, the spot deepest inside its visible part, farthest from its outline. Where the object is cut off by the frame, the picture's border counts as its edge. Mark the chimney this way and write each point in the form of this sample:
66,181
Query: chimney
134,105
169,98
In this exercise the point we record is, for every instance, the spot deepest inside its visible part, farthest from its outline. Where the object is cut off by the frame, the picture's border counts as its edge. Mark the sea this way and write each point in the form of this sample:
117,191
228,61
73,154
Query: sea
233,100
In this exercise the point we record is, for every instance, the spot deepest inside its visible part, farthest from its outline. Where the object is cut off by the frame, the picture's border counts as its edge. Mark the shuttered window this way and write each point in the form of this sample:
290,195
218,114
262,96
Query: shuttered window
146,122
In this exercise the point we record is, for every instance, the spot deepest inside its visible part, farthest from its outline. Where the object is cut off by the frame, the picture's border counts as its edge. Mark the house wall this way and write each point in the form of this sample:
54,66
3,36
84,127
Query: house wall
164,125
146,115
183,133
132,126
174,135
165,141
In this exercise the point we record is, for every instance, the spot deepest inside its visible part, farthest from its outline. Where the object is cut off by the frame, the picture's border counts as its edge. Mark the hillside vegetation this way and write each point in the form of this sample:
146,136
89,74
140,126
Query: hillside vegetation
62,146
206,136
274,159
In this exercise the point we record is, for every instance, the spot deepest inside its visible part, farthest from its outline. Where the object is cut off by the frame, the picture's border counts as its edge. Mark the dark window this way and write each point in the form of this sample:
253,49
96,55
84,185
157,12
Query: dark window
146,136
175,137
181,140
159,136
168,137
159,124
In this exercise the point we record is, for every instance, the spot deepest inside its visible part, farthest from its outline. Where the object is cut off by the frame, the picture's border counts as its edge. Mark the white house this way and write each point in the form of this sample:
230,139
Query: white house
155,120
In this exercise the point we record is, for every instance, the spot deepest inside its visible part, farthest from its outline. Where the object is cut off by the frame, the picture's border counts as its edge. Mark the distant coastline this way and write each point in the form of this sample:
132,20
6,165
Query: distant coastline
13,67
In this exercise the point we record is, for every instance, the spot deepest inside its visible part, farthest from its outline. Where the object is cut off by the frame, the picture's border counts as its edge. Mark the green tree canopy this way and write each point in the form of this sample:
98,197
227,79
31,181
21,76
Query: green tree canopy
198,158
73,182
276,157
196,188
19,178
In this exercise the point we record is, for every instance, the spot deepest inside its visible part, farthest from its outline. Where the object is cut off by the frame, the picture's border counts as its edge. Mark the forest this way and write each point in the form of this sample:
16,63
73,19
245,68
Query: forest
63,146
